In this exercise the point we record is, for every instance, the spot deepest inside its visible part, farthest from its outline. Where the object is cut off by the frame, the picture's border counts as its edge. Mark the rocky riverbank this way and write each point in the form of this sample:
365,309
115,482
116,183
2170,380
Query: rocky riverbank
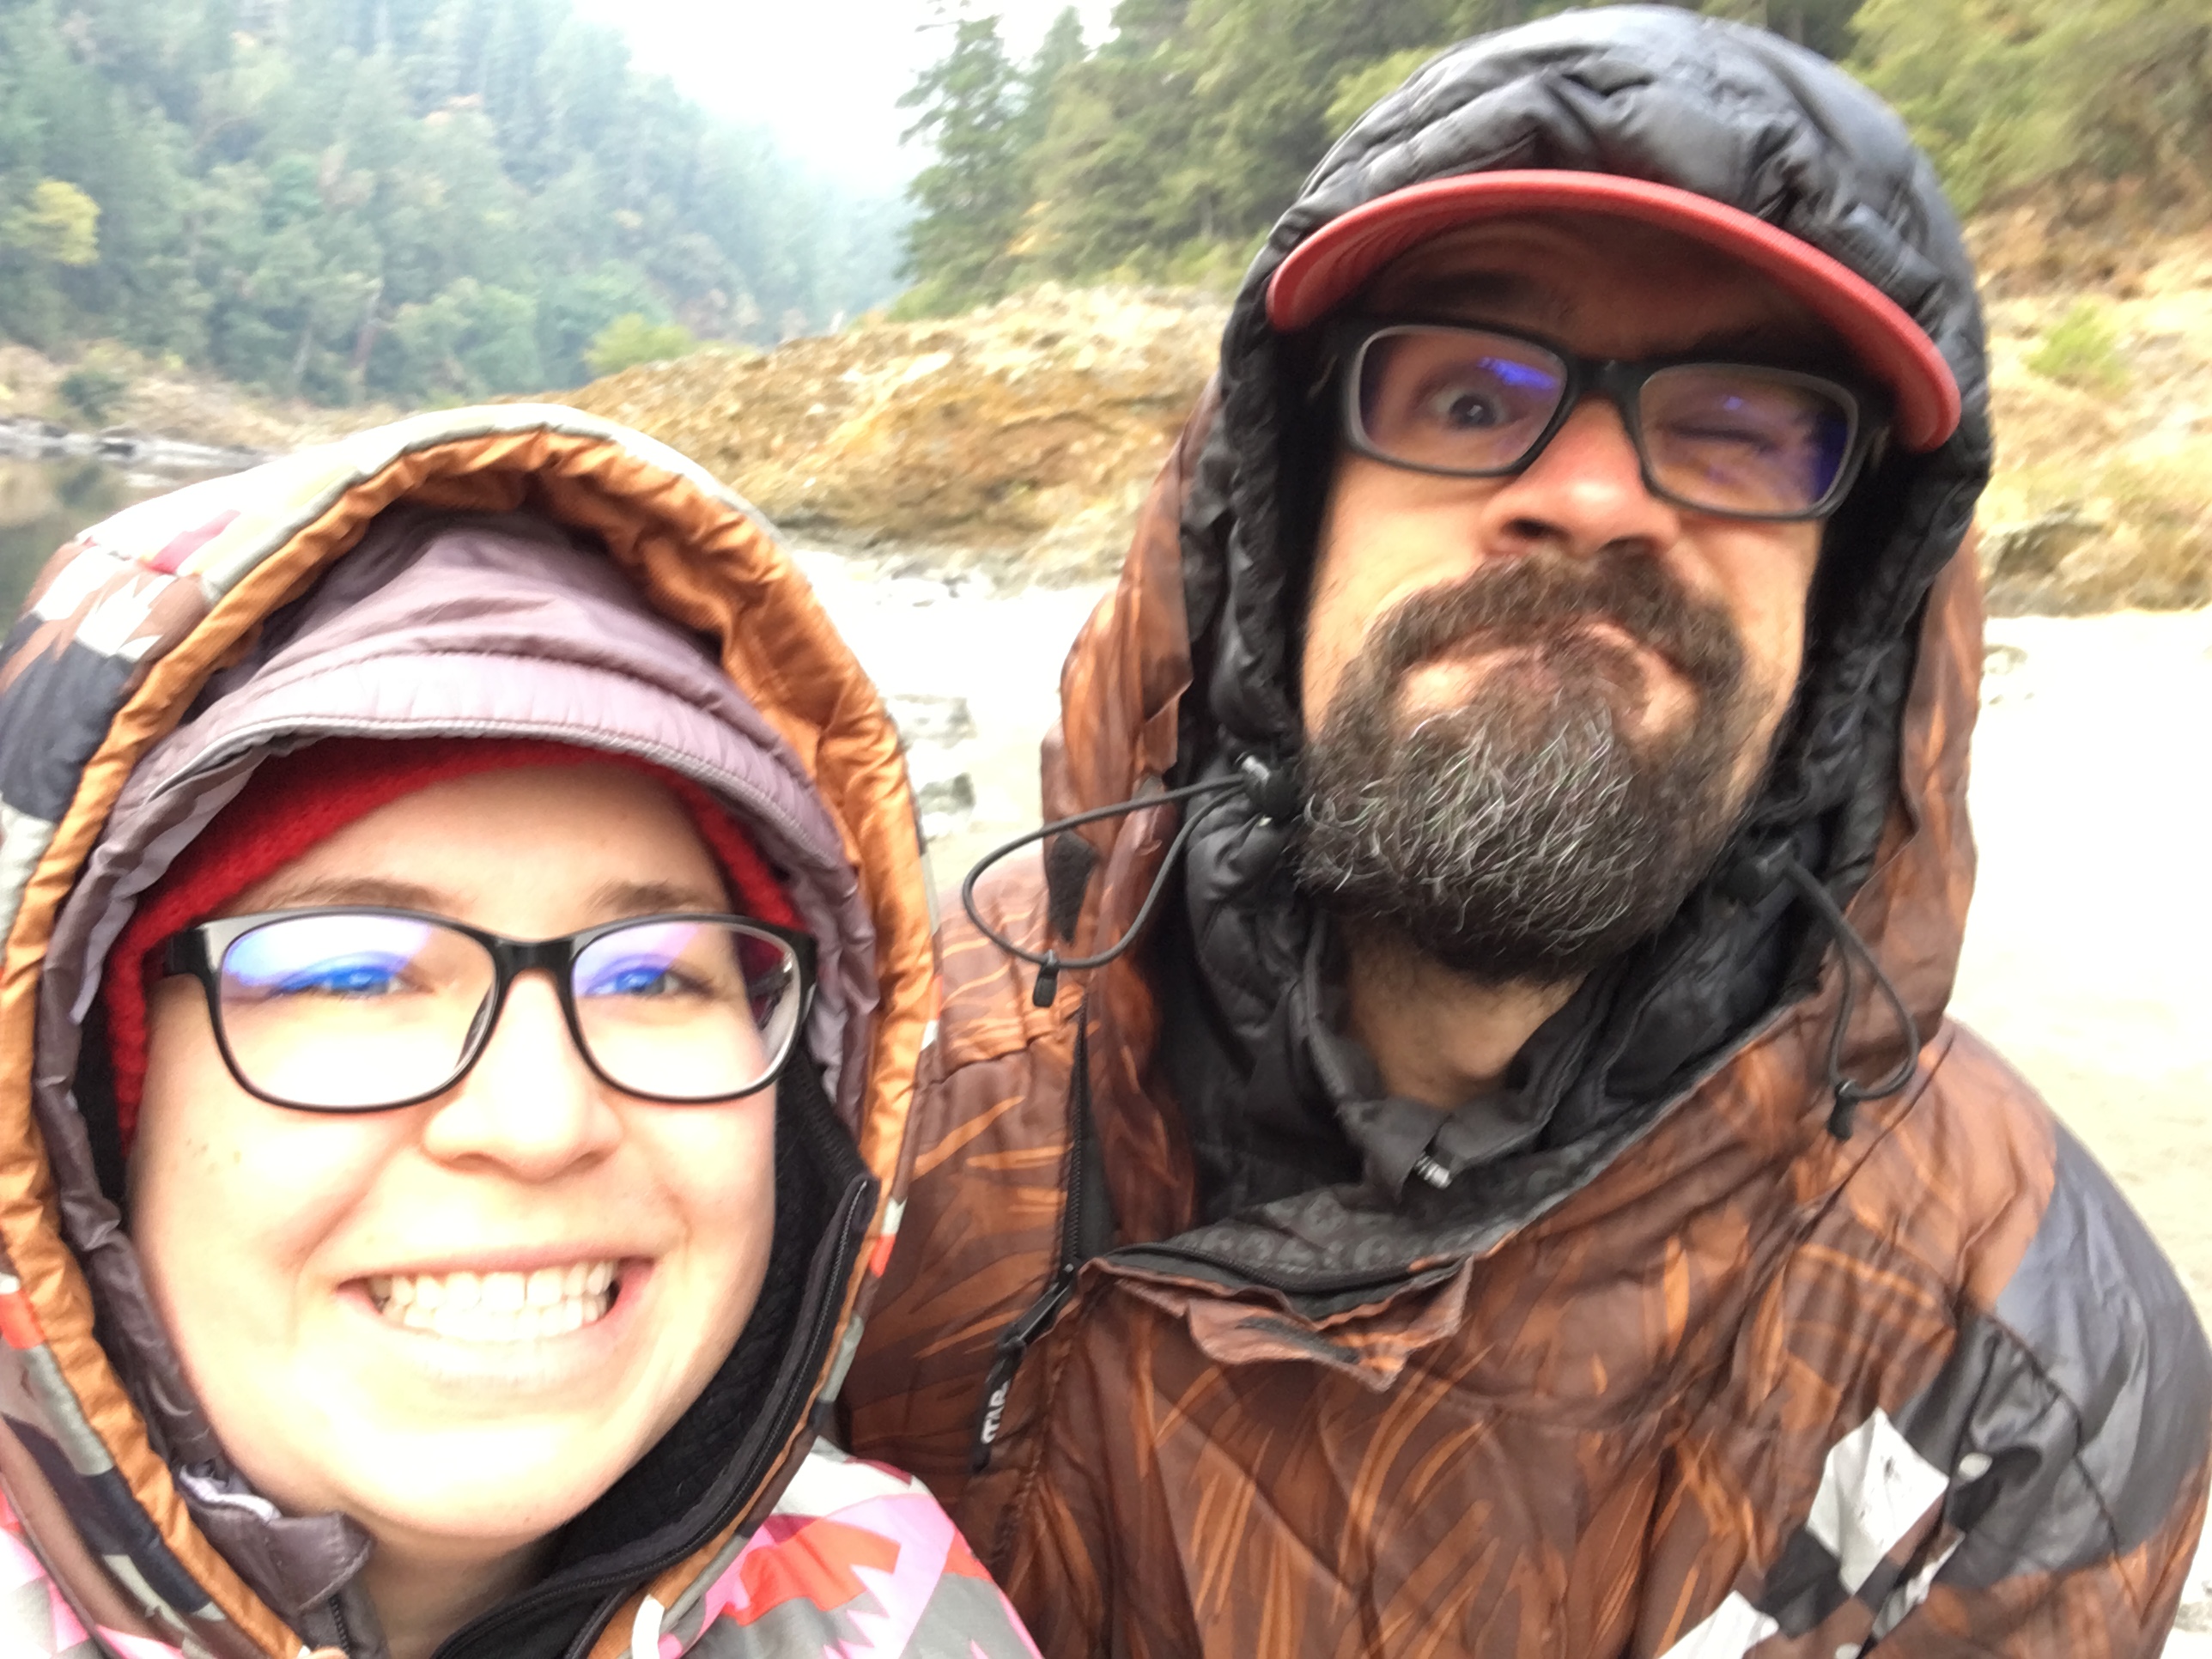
1019,439
26,438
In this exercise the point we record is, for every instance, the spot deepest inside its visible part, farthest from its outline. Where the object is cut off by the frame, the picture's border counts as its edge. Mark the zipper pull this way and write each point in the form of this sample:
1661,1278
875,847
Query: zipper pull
999,1383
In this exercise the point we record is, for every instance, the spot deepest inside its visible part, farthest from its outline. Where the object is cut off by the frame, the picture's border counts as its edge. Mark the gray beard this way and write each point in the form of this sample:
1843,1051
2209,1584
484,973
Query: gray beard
1529,835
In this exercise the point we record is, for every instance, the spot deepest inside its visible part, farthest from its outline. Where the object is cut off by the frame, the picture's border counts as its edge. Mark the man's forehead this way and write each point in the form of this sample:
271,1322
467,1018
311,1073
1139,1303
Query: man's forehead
1605,285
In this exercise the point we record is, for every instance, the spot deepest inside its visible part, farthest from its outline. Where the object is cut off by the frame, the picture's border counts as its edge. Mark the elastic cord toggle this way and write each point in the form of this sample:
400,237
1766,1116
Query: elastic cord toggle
1847,1092
1271,787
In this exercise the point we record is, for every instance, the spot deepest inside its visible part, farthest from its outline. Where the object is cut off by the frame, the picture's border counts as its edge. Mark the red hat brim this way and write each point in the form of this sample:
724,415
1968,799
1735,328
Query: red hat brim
1336,261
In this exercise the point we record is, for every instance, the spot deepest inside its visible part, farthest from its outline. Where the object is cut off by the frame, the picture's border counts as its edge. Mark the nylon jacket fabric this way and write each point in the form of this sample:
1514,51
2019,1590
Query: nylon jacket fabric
522,571
1684,1375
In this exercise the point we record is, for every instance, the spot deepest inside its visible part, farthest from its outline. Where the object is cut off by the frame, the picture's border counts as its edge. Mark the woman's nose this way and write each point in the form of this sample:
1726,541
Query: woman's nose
530,1103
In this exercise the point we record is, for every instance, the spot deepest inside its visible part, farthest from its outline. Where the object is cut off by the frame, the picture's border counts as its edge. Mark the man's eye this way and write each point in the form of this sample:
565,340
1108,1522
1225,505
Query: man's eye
1735,434
1464,404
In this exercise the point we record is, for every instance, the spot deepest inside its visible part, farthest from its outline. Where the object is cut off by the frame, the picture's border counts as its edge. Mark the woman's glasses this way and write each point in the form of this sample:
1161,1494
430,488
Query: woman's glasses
356,1009
1741,440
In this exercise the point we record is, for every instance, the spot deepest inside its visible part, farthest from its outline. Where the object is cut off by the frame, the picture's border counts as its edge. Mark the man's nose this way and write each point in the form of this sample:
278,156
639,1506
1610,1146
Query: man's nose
1584,491
530,1105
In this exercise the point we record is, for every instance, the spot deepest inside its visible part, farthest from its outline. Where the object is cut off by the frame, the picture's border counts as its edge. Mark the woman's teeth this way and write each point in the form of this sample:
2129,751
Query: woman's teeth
498,1307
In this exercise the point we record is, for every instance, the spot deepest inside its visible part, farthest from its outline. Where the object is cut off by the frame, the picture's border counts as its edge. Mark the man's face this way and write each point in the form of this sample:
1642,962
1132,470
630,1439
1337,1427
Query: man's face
1537,704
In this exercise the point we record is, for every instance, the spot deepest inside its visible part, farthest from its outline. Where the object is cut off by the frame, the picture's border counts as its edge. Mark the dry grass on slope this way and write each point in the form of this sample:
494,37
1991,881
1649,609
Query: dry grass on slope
2102,402
1025,434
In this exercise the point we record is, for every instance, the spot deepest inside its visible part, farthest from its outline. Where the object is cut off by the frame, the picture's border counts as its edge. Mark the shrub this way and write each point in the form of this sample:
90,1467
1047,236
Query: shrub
632,338
2082,350
92,391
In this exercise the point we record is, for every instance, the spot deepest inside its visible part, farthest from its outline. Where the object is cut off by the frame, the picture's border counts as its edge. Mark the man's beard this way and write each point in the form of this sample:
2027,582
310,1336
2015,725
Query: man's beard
1531,833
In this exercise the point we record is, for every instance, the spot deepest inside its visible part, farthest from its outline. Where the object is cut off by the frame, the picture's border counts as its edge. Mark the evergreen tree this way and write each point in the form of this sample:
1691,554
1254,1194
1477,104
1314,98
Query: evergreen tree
972,197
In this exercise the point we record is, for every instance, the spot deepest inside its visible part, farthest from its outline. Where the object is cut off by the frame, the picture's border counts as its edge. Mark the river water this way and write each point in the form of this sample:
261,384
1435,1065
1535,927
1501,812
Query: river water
44,503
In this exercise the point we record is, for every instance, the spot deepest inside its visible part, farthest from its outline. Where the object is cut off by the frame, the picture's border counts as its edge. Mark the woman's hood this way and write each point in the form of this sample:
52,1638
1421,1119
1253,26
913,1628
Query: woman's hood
526,571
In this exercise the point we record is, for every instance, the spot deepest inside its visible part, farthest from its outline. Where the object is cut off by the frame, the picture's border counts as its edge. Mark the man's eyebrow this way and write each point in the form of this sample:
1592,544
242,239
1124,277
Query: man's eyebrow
1454,292
1780,343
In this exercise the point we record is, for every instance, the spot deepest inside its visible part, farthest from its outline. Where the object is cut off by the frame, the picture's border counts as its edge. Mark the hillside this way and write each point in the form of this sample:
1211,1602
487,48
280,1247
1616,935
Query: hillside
1023,435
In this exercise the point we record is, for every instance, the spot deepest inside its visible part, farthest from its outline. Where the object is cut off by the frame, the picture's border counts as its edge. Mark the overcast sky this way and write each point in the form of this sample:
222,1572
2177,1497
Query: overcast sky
824,74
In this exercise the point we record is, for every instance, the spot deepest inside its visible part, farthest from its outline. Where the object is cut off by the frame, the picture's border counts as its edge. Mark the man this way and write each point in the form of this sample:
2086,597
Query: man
1521,1195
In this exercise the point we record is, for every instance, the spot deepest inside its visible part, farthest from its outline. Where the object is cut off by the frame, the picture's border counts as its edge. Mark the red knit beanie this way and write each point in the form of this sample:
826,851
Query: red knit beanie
296,800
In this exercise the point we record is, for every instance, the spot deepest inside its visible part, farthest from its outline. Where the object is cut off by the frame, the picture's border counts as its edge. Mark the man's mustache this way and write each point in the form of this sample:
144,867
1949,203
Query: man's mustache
1544,598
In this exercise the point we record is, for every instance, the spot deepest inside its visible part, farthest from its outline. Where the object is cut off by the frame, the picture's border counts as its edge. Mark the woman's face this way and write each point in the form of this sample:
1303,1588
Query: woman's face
286,1249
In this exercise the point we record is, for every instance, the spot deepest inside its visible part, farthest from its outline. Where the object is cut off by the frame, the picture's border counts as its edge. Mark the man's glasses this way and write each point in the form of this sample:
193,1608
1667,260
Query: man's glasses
1738,439
356,1009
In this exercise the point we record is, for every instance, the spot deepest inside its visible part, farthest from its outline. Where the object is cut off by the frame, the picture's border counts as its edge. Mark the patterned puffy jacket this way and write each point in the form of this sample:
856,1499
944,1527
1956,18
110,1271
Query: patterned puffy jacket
540,572
1686,1372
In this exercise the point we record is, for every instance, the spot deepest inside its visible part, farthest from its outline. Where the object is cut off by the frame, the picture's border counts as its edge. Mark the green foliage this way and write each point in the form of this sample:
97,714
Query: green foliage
59,222
633,339
1170,147
2009,95
975,111
2082,350
92,391
1166,153
403,198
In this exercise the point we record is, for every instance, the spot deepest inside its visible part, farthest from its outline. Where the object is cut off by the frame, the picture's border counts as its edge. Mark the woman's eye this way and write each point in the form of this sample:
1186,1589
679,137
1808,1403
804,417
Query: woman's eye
637,979
356,979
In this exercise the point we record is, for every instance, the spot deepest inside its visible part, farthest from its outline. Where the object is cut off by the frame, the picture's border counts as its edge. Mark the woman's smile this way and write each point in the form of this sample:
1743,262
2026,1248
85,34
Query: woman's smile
500,1306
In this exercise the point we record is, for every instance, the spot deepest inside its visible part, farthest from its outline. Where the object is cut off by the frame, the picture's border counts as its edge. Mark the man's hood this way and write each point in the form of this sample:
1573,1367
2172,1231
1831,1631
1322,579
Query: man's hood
1191,667
523,571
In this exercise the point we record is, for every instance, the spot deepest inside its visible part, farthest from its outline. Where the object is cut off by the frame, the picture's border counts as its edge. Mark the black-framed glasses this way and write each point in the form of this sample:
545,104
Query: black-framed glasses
1746,441
357,1008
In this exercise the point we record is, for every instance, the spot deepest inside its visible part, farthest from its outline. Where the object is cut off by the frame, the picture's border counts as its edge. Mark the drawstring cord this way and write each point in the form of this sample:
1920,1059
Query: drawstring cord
1847,1092
1270,787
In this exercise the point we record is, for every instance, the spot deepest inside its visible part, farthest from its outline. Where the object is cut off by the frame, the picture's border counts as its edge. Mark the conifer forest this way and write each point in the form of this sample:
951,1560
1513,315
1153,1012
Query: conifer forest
403,200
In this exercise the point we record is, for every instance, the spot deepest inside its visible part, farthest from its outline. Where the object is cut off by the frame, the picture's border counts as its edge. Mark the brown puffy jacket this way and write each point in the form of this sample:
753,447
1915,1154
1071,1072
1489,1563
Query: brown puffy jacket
1691,1375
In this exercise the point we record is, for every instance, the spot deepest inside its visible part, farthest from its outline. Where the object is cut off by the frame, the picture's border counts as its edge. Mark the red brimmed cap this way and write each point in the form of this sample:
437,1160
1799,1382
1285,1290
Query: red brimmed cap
297,800
1335,262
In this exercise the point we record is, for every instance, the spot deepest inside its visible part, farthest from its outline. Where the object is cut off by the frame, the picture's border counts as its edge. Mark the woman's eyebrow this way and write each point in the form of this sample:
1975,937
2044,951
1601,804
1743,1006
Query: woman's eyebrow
639,898
353,890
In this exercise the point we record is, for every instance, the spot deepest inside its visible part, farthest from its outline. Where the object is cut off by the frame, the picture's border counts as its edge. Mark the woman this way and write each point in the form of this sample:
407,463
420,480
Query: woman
467,967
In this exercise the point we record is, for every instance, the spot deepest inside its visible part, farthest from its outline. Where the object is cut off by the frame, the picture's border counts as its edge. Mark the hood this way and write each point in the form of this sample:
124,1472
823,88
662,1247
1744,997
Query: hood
523,571
1190,667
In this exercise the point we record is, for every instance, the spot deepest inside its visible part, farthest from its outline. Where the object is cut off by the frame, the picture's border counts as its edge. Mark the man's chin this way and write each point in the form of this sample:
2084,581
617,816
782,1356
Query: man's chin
1529,692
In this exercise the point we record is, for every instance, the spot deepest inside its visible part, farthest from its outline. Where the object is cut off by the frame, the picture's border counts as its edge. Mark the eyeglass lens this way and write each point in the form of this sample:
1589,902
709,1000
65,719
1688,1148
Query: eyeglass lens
1728,437
340,1010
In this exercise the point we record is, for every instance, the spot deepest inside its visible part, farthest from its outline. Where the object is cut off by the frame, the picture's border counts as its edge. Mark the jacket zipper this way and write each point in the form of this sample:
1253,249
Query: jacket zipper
1014,1341
1017,1339
345,1630
817,1337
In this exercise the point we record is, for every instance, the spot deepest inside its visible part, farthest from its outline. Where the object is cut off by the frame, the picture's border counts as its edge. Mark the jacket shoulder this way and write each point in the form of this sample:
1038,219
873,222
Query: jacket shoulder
854,1556
979,1238
988,1009
2018,1392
